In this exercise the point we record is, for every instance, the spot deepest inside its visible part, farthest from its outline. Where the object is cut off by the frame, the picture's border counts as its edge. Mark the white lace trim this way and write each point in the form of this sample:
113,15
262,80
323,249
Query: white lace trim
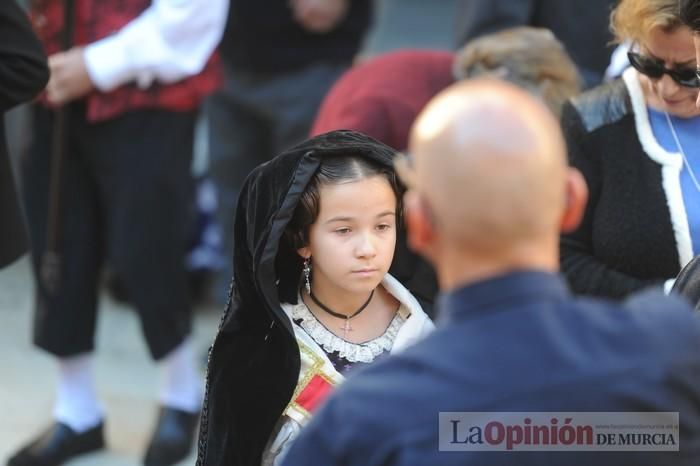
353,352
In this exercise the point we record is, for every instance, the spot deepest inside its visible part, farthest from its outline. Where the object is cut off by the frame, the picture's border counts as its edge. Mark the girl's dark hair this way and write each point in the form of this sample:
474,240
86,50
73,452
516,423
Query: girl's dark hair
334,170
690,14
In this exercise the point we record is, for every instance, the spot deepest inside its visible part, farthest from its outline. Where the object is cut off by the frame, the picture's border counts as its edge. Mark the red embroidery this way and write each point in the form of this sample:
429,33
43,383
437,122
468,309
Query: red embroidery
315,393
98,19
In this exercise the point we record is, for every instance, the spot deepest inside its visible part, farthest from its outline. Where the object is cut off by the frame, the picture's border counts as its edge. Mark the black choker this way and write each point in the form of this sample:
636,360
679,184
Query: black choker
346,327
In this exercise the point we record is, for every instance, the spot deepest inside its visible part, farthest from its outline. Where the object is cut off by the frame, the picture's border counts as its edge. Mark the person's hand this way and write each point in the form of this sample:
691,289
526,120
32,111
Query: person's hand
319,16
69,77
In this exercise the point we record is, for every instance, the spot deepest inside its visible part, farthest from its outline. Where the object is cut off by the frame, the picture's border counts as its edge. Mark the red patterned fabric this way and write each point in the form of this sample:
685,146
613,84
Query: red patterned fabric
315,393
96,19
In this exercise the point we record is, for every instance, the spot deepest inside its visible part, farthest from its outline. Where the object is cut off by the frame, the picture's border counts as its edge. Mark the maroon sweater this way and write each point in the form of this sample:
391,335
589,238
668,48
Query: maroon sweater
96,19
381,97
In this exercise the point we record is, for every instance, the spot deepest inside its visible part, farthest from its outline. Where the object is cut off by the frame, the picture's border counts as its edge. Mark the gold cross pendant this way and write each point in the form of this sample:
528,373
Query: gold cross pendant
346,328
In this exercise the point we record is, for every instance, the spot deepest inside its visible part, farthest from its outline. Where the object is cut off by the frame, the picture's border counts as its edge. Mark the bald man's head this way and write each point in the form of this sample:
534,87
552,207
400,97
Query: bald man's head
490,161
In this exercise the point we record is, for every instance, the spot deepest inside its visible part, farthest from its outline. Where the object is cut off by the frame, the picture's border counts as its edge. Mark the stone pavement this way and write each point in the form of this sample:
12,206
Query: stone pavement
127,379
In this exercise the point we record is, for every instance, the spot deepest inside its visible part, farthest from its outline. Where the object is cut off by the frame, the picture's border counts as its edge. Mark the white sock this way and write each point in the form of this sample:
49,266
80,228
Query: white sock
76,401
181,382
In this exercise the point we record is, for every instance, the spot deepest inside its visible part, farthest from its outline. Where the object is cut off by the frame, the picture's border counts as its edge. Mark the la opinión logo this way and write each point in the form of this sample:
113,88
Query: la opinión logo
585,431
496,433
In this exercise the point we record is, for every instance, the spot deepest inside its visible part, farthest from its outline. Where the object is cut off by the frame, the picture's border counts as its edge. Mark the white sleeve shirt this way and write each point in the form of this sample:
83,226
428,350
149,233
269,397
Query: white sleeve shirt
167,42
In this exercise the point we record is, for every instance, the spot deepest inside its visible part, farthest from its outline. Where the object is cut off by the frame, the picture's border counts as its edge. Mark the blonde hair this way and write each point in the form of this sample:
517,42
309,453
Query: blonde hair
531,58
633,20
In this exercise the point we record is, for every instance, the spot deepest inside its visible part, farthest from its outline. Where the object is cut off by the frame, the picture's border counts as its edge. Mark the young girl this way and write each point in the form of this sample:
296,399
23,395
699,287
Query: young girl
315,235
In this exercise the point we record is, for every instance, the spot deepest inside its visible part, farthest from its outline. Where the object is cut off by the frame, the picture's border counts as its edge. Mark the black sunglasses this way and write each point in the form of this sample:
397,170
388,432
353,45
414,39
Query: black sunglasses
655,69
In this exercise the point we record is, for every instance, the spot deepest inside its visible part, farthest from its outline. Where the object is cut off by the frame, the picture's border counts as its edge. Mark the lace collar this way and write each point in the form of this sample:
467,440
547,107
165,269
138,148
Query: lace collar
353,352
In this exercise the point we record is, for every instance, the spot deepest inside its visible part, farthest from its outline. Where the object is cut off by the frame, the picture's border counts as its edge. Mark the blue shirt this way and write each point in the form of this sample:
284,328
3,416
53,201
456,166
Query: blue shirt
519,342
688,132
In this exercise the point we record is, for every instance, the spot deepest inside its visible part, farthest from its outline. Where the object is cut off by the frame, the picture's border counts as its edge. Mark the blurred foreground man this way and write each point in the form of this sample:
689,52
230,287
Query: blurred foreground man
490,192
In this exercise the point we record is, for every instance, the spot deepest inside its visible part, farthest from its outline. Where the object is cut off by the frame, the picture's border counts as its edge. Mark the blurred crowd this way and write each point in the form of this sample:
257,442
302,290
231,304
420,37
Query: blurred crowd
121,95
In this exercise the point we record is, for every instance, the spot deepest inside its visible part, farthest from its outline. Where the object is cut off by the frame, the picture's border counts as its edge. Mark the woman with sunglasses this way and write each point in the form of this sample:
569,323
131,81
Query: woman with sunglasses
637,142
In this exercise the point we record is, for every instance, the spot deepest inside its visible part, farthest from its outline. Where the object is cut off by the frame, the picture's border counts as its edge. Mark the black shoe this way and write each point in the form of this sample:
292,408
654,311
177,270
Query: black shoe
58,444
172,438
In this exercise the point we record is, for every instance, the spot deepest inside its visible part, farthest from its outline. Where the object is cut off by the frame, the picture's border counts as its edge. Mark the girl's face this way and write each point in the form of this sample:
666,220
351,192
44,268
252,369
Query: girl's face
676,50
352,242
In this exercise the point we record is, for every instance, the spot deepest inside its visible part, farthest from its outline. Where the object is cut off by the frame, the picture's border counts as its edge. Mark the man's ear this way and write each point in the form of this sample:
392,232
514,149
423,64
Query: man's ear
420,231
576,198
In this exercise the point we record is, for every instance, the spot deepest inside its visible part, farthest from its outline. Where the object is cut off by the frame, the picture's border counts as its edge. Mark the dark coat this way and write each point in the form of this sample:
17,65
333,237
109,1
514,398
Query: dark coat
23,74
254,361
634,232
264,37
582,26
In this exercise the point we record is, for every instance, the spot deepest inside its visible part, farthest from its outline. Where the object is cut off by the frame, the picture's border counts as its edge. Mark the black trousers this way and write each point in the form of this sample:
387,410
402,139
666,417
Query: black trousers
126,198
